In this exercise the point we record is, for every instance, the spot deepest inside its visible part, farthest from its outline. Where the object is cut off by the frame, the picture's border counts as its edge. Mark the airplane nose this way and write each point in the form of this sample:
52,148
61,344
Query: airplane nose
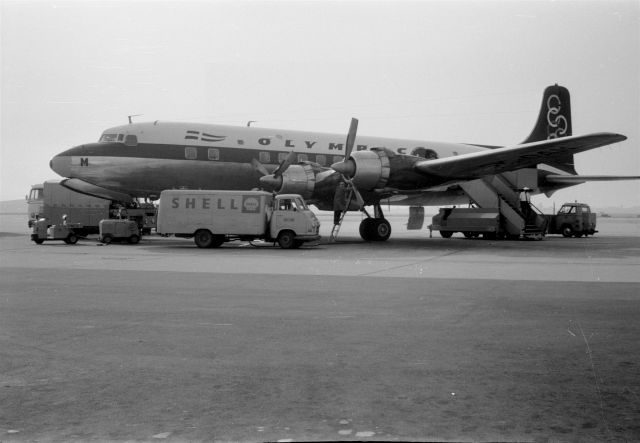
61,164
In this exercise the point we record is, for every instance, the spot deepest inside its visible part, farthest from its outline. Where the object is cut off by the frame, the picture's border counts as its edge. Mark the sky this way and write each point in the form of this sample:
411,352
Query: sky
459,71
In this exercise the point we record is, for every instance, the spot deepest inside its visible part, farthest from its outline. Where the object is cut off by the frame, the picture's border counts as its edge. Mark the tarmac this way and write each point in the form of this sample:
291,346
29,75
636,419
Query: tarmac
413,339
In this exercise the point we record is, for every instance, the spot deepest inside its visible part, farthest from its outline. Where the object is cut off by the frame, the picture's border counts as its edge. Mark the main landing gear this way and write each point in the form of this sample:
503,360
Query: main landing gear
375,228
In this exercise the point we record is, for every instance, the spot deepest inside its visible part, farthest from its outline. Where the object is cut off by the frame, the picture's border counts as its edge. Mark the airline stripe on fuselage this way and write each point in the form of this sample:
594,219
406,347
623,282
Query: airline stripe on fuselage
179,152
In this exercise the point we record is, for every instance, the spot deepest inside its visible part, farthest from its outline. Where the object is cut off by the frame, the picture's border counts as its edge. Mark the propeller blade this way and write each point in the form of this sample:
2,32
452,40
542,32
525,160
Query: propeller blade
259,167
351,138
291,157
359,199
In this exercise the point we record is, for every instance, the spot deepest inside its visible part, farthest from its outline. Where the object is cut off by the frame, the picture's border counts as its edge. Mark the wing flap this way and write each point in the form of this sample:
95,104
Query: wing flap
588,178
496,161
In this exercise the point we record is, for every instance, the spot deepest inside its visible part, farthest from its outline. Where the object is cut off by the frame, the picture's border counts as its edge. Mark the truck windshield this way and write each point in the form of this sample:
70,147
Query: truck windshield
291,204
301,204
567,210
35,194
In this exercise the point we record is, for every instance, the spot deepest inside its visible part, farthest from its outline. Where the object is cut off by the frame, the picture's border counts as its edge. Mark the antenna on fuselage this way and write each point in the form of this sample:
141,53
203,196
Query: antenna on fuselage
134,115
250,121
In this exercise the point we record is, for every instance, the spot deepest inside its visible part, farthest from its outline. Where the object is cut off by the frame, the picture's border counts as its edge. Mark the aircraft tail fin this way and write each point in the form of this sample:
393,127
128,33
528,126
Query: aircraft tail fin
554,121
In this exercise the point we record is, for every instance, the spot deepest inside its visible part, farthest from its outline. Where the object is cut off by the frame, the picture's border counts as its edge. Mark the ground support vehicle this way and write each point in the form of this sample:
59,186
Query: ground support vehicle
573,219
68,233
119,230
213,217
472,222
52,201
488,222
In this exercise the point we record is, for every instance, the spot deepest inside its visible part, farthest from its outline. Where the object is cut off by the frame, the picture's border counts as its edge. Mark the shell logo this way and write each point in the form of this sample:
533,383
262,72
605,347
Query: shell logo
250,204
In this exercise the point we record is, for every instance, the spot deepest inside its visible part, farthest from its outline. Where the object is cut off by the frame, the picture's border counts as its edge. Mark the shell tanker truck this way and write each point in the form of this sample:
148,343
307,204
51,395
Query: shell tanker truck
214,217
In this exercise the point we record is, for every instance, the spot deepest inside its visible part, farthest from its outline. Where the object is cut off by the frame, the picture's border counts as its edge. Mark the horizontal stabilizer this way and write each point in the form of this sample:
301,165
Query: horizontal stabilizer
83,187
496,161
588,178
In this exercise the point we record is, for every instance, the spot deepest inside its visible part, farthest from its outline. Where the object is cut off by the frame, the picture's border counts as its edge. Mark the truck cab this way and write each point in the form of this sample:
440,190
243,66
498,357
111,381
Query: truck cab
35,201
292,222
573,219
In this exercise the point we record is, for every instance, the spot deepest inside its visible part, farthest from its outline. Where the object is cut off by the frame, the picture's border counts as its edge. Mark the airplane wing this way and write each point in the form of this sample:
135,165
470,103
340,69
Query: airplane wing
552,178
496,161
83,187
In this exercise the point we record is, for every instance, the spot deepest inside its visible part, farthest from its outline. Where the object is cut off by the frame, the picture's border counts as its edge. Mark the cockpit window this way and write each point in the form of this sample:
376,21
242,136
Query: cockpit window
131,140
109,137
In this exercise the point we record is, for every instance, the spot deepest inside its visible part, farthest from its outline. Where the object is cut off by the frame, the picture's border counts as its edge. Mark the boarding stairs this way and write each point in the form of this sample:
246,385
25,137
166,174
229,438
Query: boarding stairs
498,191
336,227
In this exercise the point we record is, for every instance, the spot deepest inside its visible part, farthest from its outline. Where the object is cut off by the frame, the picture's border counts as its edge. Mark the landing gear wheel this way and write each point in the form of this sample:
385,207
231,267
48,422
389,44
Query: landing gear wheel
567,231
366,229
381,229
286,239
203,238
446,234
134,239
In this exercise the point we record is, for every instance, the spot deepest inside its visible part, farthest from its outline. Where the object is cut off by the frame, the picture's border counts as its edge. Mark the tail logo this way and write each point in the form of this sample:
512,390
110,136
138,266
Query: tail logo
557,123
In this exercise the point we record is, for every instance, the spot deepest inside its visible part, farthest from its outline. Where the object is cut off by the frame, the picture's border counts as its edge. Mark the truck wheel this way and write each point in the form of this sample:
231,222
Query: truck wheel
446,234
106,239
39,241
286,239
134,239
567,231
71,239
203,238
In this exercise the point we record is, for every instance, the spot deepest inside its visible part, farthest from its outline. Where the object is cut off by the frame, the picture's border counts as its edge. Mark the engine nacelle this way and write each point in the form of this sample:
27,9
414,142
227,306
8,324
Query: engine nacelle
371,169
298,179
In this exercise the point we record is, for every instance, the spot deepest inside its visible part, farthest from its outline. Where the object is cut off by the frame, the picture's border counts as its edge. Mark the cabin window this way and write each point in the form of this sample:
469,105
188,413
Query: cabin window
120,137
265,157
109,137
131,140
321,159
213,154
190,153
302,157
282,156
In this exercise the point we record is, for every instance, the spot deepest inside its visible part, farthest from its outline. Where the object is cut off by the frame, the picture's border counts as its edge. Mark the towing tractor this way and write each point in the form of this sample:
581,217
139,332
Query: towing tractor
212,218
67,232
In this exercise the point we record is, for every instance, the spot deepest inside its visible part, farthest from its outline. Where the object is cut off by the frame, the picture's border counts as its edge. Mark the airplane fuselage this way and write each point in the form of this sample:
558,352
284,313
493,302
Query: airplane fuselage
142,159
